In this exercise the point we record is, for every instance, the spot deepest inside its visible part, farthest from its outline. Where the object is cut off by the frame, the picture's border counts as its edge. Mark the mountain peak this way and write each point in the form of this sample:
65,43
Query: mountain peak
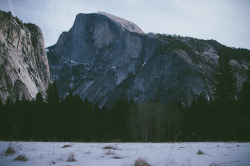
102,60
124,24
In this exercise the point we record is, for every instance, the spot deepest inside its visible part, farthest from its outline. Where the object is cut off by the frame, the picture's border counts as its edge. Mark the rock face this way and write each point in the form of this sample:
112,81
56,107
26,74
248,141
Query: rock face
24,68
104,58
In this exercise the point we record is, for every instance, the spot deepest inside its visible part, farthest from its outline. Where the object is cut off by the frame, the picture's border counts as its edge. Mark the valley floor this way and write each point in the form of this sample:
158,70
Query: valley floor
125,154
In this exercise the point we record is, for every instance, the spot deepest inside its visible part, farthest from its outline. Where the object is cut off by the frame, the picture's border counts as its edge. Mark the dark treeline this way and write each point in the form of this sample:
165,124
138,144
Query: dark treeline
225,117
73,119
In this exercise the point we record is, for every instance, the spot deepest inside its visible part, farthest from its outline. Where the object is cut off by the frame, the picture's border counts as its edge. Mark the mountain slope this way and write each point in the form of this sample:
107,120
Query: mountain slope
23,62
103,60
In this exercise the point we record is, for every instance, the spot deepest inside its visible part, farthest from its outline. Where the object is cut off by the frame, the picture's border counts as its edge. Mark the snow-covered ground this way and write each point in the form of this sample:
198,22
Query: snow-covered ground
125,154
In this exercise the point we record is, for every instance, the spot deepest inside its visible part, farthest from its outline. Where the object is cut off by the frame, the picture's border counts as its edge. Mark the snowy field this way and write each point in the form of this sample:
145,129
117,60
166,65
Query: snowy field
125,154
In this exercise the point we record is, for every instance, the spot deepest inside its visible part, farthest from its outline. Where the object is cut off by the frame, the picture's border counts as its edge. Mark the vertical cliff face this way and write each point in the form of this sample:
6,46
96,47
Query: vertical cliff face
100,50
104,57
24,68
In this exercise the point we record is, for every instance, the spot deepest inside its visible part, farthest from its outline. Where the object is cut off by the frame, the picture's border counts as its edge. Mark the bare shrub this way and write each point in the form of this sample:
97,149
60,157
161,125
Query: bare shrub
110,152
66,146
141,162
10,151
21,158
117,157
114,147
200,152
71,157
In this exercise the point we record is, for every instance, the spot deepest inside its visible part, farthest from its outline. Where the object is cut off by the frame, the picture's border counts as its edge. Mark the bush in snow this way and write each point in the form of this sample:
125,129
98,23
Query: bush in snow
200,152
66,146
117,157
10,151
21,158
114,147
141,162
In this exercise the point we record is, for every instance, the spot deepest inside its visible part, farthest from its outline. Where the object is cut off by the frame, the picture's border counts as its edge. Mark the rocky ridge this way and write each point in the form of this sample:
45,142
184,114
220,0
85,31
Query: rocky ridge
104,58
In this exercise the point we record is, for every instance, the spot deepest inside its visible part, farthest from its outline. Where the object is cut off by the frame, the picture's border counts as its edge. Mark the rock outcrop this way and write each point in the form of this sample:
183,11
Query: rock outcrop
24,69
104,58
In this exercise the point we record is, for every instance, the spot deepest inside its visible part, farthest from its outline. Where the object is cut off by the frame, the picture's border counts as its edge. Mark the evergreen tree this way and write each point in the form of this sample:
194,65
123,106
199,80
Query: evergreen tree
53,98
53,113
66,128
243,129
1,105
119,117
226,86
225,99
39,99
244,96
2,117
199,121
17,102
39,118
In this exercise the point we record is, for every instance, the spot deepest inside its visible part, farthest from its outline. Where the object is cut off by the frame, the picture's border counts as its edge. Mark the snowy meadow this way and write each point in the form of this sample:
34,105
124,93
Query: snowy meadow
124,154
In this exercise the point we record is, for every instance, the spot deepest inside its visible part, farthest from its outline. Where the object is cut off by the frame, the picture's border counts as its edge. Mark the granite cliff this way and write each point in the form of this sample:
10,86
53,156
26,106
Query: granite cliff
104,58
24,69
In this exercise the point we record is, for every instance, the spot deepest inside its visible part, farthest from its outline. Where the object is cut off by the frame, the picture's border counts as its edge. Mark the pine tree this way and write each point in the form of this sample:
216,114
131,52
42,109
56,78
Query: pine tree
39,118
226,86
53,113
225,99
2,120
243,130
53,98
39,99
17,102
1,105
244,96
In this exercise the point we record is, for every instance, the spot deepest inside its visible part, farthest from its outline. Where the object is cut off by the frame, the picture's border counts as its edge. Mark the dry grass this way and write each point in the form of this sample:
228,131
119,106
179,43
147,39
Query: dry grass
66,146
110,152
71,157
114,147
200,152
10,151
117,157
21,158
141,162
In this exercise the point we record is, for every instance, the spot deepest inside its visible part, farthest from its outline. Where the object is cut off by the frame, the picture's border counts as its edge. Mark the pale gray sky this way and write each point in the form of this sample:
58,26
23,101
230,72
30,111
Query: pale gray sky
227,21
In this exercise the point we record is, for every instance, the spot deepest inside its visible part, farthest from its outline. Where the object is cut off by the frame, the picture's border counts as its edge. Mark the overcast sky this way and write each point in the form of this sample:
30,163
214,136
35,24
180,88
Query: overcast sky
227,21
